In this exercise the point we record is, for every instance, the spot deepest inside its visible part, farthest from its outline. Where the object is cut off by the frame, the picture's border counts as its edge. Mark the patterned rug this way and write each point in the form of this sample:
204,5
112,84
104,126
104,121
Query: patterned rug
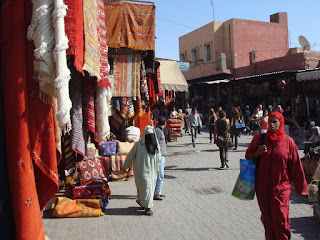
91,42
130,25
127,75
104,63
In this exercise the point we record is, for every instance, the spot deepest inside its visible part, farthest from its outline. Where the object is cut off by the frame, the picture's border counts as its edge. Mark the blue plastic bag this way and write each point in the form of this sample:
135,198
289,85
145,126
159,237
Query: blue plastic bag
245,184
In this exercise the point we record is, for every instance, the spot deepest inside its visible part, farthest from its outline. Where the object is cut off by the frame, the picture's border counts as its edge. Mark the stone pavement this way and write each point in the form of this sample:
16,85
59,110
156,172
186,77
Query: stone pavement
198,203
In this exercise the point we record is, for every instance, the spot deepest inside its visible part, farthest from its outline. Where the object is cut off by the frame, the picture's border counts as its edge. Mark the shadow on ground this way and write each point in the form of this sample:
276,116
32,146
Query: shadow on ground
123,196
134,211
301,225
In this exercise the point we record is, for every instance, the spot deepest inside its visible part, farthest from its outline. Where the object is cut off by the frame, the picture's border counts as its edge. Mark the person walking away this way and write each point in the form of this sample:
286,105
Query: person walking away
146,157
160,132
201,118
287,120
235,119
182,117
255,121
187,111
247,115
212,118
173,113
260,112
279,165
195,123
264,122
221,130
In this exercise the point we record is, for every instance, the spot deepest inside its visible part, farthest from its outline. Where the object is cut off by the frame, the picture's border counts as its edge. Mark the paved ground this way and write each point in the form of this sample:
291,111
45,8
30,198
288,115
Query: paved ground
198,203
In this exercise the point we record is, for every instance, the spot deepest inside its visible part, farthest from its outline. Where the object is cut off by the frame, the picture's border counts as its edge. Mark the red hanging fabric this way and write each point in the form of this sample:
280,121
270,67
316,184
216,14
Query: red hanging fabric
26,209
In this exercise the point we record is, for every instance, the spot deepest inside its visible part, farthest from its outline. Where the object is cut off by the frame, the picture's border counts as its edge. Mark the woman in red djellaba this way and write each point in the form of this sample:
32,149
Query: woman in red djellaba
279,165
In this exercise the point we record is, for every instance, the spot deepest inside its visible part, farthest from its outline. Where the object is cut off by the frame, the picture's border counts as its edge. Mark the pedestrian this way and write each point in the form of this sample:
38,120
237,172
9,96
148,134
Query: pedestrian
146,157
201,118
313,141
182,117
173,113
219,108
187,111
255,121
247,116
287,120
264,122
221,132
163,139
279,165
235,119
212,118
260,112
195,123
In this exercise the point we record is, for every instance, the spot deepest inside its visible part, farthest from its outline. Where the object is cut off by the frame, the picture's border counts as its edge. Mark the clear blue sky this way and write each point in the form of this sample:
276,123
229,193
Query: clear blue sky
175,18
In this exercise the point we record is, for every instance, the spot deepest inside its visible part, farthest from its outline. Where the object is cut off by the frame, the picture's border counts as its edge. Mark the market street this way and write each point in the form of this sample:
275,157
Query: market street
197,204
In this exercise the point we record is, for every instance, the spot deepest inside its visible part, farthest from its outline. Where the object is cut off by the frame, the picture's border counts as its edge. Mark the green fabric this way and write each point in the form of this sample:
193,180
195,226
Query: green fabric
145,169
222,128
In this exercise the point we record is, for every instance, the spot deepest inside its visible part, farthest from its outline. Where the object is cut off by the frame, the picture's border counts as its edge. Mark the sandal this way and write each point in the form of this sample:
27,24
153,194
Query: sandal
157,197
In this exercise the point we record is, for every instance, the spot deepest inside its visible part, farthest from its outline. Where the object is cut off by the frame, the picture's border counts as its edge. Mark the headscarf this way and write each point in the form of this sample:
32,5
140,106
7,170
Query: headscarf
279,134
151,143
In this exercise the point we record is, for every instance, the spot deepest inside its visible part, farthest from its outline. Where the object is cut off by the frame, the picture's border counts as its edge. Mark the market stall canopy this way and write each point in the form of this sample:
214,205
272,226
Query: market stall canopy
171,76
310,75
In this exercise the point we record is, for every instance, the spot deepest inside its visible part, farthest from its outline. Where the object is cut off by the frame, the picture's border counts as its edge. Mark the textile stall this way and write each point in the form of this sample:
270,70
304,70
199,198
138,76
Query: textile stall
59,96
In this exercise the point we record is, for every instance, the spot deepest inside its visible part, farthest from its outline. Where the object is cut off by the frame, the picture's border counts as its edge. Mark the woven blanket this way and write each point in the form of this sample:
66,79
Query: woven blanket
113,23
104,63
152,93
91,42
102,111
74,31
143,121
157,80
88,104
27,218
123,106
67,208
79,134
138,110
130,25
127,75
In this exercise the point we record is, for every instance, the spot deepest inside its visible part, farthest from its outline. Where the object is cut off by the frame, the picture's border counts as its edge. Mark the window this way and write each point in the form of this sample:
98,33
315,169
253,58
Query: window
182,57
194,56
207,52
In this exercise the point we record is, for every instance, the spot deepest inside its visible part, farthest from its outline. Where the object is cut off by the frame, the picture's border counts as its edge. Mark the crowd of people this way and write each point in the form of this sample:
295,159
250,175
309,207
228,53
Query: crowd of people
275,152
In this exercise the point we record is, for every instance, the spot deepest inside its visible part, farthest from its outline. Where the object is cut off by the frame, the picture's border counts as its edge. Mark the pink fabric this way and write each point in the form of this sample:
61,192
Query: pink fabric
88,104
90,169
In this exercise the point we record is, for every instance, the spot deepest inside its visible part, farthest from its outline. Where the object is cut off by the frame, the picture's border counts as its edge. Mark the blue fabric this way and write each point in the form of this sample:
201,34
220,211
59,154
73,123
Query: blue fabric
159,185
194,130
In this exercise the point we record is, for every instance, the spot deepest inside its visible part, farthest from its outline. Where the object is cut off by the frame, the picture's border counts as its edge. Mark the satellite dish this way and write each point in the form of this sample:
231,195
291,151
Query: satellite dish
304,43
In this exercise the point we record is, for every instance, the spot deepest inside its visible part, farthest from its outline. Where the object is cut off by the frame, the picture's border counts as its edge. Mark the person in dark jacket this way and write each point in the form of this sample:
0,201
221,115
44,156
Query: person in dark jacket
162,136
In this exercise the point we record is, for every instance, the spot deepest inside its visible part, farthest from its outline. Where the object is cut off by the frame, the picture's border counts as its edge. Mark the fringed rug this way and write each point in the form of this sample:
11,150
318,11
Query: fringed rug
91,42
126,75
74,31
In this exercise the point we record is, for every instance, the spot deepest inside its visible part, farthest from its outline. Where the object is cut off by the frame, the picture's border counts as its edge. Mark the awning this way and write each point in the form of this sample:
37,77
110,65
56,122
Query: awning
171,76
310,75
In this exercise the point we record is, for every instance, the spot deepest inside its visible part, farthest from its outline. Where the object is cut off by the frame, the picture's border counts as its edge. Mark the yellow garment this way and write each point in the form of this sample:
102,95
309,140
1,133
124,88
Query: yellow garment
65,207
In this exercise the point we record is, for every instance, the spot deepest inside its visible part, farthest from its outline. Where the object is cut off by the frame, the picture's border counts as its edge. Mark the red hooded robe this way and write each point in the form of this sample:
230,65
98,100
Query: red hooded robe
278,167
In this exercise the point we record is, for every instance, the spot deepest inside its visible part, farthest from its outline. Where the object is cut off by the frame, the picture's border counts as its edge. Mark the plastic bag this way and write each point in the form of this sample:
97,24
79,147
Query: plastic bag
244,187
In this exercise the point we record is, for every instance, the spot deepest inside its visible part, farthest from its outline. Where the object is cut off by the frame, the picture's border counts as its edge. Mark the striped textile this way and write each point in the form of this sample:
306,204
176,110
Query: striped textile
88,104
91,42
104,63
127,75
79,135
113,167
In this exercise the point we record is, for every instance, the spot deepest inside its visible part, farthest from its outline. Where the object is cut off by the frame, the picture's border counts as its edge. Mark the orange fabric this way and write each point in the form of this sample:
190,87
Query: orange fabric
130,25
113,23
26,209
143,121
67,208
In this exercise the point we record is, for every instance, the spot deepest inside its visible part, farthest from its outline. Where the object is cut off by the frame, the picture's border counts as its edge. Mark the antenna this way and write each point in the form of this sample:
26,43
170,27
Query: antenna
304,43
212,9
